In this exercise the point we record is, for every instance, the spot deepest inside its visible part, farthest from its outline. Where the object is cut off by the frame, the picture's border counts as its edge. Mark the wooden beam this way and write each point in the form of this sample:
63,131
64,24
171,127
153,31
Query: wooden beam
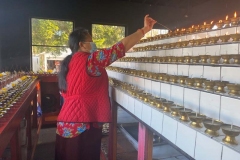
145,142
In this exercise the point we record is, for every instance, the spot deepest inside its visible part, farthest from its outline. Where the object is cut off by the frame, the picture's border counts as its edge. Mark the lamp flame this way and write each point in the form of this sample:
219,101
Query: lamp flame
192,26
235,14
204,23
220,21
227,17
212,22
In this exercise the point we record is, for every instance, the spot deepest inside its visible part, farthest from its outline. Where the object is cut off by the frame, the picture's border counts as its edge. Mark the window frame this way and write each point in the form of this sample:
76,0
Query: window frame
30,38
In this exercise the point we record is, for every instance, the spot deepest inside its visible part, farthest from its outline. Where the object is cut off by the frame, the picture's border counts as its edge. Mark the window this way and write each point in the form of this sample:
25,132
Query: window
49,43
106,35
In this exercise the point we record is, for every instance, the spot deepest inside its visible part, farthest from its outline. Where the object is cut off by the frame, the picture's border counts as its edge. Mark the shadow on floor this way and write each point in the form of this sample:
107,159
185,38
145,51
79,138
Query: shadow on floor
45,151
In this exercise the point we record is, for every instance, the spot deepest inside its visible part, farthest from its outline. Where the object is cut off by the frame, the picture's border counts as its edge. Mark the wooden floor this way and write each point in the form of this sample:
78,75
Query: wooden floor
125,150
45,147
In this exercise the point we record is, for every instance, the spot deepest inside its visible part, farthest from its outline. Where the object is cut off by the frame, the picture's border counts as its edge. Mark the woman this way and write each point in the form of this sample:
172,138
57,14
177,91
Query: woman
83,82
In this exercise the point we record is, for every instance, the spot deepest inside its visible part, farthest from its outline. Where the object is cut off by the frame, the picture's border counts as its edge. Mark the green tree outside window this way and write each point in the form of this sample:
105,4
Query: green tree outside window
105,35
51,33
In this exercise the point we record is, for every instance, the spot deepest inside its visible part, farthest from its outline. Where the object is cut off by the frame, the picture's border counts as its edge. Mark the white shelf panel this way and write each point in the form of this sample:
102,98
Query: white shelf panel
229,154
162,53
210,105
172,69
131,104
169,128
191,99
214,33
199,51
146,114
138,108
166,91
148,67
230,110
231,74
178,52
169,52
125,100
152,53
213,50
229,31
148,86
183,70
156,88
163,68
187,51
186,139
177,94
229,49
206,148
212,73
156,121
195,71
155,68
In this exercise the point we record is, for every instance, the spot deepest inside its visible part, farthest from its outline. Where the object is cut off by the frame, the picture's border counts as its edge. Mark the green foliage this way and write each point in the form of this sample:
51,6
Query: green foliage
50,33
105,36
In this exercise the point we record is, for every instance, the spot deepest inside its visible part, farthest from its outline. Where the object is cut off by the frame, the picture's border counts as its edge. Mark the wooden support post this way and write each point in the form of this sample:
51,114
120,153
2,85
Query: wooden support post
34,107
29,126
145,143
112,143
15,147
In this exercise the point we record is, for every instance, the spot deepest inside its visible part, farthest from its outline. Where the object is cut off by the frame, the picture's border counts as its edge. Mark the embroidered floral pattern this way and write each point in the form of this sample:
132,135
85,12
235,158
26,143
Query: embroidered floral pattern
105,57
70,130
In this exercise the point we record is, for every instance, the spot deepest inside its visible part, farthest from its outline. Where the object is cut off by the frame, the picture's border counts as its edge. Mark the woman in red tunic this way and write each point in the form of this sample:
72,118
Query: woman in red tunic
83,83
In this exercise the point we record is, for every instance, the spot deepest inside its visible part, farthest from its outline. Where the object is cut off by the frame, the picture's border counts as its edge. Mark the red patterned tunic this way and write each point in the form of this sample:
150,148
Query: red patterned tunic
101,58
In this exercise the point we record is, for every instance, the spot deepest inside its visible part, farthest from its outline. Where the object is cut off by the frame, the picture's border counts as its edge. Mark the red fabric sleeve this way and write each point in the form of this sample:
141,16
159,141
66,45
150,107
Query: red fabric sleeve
104,58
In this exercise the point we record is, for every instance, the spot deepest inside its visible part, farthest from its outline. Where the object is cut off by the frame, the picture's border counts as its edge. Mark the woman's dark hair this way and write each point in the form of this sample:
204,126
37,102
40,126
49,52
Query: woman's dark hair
78,35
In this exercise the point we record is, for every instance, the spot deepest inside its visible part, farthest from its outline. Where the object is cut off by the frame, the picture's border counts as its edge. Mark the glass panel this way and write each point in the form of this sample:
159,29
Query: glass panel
48,58
106,35
50,32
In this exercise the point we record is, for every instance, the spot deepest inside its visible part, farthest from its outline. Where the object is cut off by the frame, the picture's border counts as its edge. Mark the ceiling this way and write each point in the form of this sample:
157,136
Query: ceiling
169,3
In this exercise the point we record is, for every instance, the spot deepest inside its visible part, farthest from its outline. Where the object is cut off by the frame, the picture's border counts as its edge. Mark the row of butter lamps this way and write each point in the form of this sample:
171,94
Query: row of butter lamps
218,86
234,21
191,43
212,126
203,59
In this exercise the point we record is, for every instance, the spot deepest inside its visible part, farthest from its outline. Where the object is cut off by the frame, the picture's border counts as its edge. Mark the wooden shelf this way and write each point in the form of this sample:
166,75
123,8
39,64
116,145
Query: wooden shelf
10,123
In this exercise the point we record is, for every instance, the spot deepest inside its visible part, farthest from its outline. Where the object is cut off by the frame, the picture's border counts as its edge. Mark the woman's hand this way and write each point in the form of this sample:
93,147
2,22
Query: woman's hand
148,23
132,39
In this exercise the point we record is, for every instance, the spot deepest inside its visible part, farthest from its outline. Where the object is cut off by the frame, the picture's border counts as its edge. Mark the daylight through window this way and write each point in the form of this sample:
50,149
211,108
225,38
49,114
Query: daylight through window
49,43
